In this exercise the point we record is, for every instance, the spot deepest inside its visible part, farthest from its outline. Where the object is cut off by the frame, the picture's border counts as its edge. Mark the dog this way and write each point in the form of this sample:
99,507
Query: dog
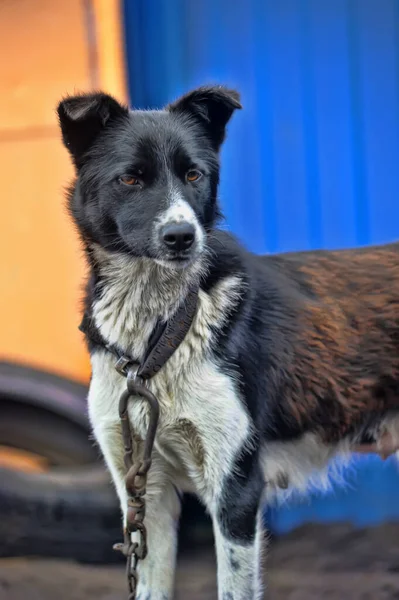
291,360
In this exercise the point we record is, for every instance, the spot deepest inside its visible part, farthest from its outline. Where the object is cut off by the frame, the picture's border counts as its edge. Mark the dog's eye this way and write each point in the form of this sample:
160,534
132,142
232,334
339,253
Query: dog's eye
193,175
129,180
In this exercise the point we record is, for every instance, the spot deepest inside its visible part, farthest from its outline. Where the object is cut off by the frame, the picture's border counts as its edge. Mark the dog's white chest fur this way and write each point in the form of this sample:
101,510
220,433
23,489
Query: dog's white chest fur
199,413
199,405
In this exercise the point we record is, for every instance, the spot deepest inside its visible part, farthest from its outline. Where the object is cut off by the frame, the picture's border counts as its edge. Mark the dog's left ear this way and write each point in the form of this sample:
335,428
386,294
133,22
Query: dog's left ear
212,106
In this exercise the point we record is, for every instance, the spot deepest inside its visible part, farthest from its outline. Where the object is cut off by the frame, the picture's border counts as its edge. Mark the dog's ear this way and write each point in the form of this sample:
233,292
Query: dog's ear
83,117
212,106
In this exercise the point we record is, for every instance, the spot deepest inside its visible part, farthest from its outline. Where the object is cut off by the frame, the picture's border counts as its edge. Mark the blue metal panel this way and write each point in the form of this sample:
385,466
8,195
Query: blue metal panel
313,160
334,145
369,497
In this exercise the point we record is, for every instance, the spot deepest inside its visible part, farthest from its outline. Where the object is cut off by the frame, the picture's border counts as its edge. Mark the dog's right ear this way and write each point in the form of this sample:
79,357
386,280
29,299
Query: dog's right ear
83,117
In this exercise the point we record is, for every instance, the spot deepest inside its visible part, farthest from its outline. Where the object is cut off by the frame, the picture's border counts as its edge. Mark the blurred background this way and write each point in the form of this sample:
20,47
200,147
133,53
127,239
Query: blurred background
311,162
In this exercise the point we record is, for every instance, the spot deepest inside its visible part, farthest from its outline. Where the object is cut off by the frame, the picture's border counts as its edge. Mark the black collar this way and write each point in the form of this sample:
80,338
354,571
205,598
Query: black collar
163,342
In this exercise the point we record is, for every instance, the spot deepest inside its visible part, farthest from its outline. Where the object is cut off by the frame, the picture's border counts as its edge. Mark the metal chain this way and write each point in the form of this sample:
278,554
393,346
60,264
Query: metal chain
137,472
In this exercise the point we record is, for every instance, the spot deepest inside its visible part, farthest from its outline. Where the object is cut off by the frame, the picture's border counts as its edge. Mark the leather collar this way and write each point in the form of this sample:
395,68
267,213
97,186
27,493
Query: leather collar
163,342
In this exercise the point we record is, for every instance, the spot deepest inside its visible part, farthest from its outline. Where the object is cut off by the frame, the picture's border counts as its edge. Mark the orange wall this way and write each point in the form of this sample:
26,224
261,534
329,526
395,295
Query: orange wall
46,43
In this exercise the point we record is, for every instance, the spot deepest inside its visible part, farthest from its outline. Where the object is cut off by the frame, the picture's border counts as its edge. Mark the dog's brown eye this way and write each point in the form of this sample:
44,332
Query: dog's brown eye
193,175
129,180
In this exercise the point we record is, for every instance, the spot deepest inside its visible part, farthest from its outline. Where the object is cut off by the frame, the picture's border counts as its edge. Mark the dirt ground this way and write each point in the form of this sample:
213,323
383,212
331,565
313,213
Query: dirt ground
315,562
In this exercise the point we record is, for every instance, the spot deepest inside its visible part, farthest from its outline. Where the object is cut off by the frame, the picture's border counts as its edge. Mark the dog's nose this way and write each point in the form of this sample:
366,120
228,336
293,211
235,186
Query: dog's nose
178,236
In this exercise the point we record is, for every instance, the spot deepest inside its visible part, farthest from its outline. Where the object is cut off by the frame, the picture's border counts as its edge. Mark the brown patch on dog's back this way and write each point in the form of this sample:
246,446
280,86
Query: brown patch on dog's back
346,348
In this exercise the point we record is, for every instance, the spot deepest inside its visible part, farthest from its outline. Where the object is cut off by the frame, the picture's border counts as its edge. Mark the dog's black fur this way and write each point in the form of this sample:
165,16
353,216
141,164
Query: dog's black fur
313,341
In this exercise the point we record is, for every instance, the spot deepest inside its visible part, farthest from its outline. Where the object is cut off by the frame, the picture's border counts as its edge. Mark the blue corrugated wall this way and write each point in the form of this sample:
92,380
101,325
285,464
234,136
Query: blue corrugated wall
312,161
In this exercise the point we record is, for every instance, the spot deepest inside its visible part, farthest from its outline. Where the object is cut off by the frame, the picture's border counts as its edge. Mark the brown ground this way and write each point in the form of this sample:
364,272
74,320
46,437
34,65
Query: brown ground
332,563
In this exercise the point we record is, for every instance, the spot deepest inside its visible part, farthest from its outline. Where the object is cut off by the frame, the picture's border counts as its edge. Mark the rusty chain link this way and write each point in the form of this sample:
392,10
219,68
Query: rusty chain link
137,472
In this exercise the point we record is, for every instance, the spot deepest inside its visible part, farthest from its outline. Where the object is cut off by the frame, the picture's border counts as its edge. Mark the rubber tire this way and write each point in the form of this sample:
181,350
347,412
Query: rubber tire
69,515
71,511
54,437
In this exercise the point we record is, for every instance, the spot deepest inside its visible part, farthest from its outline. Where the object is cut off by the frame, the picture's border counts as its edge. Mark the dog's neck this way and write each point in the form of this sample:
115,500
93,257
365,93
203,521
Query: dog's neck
133,294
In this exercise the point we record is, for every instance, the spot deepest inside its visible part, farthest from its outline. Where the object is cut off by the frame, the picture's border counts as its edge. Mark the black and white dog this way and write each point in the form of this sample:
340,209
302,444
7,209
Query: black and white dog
290,359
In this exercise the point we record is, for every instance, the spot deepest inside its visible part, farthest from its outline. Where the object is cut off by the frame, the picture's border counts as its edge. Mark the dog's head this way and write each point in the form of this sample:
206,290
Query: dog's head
147,180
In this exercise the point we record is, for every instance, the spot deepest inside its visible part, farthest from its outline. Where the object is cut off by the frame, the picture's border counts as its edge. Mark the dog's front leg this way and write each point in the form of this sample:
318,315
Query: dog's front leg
238,533
156,572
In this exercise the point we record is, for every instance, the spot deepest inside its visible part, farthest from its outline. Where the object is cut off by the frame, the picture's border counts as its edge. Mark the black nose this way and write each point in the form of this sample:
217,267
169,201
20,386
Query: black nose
178,236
